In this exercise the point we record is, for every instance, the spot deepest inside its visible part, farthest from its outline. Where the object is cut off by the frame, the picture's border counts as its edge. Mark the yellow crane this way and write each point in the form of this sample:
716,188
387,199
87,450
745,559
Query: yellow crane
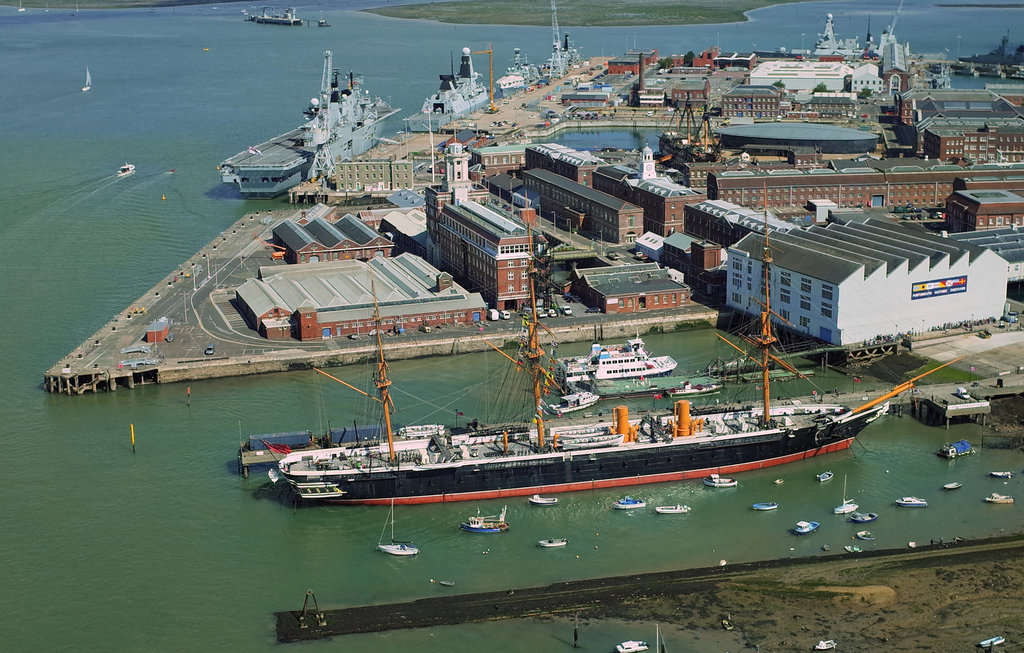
490,75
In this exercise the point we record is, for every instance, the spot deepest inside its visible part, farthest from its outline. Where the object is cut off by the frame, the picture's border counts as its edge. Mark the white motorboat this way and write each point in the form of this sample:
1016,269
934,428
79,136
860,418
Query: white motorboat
952,486
999,498
912,502
825,476
631,646
677,509
553,542
538,500
126,169
1001,474
825,645
719,481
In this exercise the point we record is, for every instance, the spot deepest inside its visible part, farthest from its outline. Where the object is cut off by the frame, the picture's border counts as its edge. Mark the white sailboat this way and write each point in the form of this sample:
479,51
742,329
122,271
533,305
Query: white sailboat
395,548
88,80
847,506
20,8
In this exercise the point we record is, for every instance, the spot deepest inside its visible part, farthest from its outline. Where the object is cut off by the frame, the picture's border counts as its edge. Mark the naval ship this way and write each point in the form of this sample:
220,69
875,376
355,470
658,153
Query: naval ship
458,96
341,123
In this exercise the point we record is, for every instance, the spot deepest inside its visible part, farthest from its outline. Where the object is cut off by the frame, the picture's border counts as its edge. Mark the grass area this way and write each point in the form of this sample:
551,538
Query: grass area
945,375
595,13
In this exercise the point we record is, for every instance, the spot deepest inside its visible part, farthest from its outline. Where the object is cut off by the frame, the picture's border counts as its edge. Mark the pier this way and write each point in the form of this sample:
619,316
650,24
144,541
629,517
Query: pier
596,597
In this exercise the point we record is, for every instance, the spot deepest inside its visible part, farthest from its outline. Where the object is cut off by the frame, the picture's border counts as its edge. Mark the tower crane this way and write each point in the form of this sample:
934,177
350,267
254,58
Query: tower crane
490,76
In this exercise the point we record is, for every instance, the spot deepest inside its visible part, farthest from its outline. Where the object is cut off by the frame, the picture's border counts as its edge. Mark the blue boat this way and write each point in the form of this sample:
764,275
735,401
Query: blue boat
490,524
628,503
771,505
863,517
804,527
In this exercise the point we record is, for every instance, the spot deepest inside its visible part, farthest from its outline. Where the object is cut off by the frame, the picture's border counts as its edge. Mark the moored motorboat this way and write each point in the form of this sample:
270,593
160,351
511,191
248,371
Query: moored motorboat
489,524
999,498
865,535
768,505
553,542
825,645
912,502
689,388
714,480
538,500
992,641
825,476
952,486
125,170
677,509
852,548
804,527
631,646
1001,474
629,503
602,363
573,402
956,449
863,517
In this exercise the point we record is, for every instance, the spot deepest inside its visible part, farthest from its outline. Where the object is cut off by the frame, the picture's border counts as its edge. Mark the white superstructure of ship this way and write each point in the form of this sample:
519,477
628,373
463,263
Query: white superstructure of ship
458,96
603,363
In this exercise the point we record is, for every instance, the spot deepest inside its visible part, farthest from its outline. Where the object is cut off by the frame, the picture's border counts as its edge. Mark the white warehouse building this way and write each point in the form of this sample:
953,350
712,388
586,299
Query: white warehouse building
802,75
848,283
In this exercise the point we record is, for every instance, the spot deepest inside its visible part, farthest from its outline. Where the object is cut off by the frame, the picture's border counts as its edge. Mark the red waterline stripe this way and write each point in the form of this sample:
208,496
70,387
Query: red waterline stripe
606,483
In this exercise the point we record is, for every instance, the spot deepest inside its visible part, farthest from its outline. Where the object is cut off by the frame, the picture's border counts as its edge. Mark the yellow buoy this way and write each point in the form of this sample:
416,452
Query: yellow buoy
163,197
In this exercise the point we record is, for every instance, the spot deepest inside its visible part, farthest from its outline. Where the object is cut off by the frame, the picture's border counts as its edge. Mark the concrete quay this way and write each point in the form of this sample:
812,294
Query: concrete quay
196,299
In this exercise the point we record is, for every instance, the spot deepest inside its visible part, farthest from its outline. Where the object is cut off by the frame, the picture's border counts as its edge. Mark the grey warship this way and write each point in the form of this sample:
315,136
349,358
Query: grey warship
342,123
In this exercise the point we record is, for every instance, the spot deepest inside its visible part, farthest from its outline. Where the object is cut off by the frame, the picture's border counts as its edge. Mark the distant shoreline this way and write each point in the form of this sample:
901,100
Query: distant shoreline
599,13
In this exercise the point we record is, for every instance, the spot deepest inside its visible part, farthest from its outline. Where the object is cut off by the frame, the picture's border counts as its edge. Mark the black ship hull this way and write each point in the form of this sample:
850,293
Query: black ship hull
677,459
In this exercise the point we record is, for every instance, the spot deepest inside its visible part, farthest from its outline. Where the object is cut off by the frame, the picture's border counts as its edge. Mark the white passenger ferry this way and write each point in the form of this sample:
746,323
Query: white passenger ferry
628,361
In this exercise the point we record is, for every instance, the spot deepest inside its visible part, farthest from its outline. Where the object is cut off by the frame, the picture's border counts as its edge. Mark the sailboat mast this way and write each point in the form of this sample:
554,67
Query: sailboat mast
533,350
382,381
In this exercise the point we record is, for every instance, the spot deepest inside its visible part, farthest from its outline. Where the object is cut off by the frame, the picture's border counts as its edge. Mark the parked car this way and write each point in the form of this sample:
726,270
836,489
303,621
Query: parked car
567,310
592,309
209,349
552,312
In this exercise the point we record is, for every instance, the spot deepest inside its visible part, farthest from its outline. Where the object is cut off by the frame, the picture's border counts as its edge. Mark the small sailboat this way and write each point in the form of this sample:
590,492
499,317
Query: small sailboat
394,548
20,8
88,80
847,506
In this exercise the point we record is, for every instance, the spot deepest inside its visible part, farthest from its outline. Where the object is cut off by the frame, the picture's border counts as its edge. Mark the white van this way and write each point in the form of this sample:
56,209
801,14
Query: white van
505,315
492,314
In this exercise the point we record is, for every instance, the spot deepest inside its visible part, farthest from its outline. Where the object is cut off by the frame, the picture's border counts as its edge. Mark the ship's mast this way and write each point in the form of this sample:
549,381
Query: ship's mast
381,379
533,351
766,339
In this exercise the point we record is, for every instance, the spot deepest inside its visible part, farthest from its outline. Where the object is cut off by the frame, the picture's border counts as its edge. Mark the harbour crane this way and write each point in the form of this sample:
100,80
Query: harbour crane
490,76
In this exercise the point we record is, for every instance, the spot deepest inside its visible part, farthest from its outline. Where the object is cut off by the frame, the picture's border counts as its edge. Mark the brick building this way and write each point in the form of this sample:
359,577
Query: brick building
662,200
591,212
497,159
485,250
373,175
629,63
887,183
726,223
980,210
317,239
629,288
337,299
753,101
693,91
995,140
562,160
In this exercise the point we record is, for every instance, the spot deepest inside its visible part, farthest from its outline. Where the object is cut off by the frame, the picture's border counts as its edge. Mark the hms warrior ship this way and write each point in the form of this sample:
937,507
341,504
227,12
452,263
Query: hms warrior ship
458,96
432,463
342,123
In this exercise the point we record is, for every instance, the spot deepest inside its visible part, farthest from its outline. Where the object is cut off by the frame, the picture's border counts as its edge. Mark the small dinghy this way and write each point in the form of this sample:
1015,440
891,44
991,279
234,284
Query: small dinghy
553,542
863,517
865,535
825,476
629,503
677,509
952,486
770,505
538,500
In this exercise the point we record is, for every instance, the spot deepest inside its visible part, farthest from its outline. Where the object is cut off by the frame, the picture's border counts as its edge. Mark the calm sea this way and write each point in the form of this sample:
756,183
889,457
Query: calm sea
167,548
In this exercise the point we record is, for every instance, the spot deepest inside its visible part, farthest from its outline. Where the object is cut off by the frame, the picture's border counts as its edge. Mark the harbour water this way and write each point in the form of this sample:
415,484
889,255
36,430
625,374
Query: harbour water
167,548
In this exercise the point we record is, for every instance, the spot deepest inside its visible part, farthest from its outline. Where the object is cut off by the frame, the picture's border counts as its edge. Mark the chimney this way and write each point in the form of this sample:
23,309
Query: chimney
640,68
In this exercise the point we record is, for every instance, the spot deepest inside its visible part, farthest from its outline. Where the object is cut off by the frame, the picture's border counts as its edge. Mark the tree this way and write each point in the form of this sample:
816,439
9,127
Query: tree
820,88
864,93
779,84
665,63
689,57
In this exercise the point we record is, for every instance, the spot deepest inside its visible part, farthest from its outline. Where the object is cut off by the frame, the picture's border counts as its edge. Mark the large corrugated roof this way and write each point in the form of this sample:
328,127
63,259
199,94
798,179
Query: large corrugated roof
794,131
